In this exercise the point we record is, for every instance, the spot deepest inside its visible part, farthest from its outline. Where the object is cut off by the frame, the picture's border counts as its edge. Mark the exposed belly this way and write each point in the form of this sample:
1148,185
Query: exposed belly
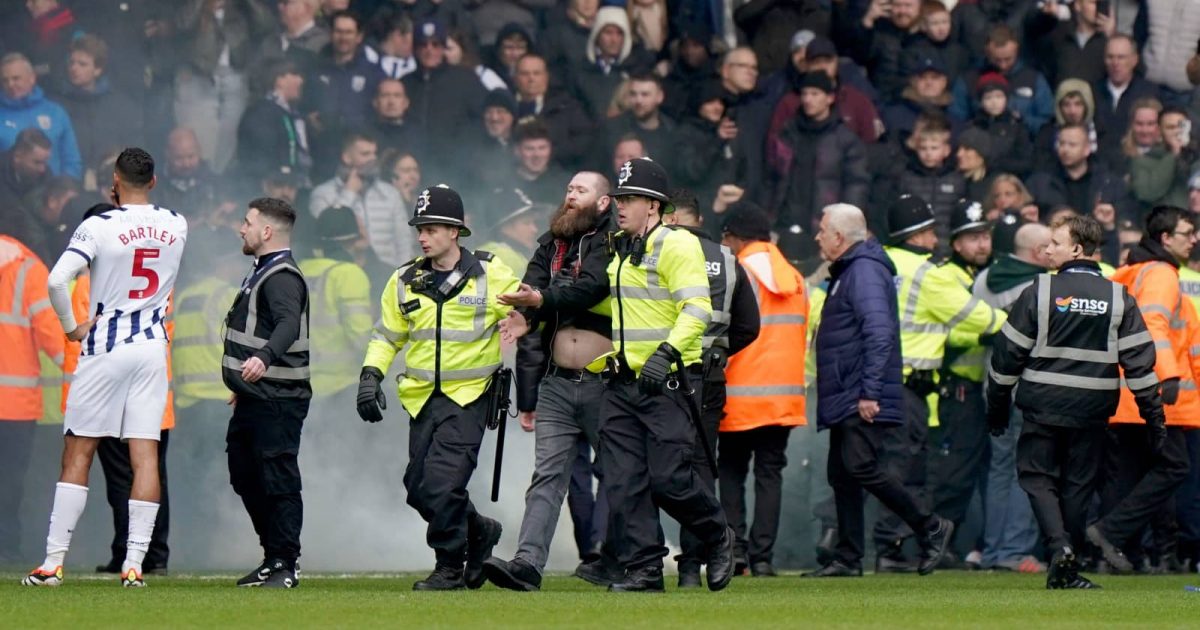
574,349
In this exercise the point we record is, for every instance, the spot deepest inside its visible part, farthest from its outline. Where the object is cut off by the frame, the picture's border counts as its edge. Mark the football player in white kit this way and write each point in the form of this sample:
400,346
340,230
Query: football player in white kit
120,386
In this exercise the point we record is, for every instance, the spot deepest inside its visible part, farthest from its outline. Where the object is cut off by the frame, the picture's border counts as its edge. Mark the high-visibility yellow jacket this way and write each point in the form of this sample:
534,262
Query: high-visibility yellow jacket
1189,284
664,298
932,303
509,255
816,302
339,322
453,343
764,383
968,359
1175,328
199,343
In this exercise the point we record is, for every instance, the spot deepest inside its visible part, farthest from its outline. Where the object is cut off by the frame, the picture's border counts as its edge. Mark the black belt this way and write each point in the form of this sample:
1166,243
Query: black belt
578,376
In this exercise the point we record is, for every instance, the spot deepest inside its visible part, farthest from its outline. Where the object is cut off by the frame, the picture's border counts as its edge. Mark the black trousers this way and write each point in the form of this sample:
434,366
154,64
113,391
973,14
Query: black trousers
263,444
443,450
959,463
647,453
118,483
854,450
712,410
905,455
1059,467
768,448
1140,487
16,443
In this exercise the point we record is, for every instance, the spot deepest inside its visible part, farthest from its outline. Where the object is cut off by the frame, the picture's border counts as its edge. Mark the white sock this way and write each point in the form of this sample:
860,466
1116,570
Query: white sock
141,527
69,501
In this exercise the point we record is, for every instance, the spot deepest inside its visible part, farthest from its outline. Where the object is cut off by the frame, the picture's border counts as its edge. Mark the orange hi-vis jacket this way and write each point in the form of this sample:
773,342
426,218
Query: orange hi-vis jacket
1173,324
764,383
28,326
80,304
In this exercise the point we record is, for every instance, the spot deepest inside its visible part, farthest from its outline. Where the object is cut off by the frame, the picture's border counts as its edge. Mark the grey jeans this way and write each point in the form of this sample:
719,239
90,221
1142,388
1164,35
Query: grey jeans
565,409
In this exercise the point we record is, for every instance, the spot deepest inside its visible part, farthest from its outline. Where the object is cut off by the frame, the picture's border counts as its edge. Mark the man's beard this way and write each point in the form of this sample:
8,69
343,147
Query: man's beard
570,221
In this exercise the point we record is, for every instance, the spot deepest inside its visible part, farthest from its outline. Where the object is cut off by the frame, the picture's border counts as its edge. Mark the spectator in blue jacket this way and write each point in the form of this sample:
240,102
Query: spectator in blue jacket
859,376
1031,96
24,105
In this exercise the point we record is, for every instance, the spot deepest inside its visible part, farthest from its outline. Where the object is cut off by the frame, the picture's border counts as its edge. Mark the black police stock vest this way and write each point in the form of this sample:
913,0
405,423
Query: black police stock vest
246,333
719,265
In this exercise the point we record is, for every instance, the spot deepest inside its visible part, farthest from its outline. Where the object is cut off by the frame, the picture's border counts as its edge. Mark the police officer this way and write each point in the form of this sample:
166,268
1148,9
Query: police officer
959,464
265,365
931,302
660,311
340,313
517,231
734,325
442,308
1063,342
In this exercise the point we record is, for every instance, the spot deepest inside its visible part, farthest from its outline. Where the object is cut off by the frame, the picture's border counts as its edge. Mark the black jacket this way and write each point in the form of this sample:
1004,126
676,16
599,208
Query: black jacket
1112,120
104,120
744,320
1068,372
580,284
570,129
267,139
447,102
1011,147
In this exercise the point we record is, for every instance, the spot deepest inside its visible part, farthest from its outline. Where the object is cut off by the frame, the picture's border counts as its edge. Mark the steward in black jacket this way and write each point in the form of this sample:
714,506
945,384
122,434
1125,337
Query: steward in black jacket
1067,340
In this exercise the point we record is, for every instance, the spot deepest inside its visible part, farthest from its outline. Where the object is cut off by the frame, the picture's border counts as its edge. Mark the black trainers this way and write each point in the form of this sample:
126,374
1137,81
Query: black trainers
934,545
516,575
442,579
479,548
257,576
648,579
835,568
1112,554
720,566
1063,572
890,559
597,572
282,577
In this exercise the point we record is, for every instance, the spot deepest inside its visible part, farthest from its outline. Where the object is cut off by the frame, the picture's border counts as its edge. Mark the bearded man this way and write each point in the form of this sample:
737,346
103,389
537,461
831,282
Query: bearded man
561,283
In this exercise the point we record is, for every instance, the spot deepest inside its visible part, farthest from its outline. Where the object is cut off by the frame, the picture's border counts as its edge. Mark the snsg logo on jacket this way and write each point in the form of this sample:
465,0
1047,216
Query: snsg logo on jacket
1081,306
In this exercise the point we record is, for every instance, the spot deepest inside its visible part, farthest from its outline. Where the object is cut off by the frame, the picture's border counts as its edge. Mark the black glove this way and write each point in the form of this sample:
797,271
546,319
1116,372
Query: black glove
1156,433
1169,391
654,372
986,340
371,402
997,419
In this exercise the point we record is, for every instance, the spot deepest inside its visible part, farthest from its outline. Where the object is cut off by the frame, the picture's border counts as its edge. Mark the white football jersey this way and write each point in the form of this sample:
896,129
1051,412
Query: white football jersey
134,253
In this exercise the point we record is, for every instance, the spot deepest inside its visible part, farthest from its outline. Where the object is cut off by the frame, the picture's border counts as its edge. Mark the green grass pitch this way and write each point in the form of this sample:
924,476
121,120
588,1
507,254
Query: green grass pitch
945,600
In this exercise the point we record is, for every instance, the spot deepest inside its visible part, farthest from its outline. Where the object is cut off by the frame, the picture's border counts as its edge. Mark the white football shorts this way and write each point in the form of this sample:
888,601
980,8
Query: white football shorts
121,394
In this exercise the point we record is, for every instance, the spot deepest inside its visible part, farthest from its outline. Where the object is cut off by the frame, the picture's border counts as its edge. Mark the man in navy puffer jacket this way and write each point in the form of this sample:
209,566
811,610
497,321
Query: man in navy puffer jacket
859,376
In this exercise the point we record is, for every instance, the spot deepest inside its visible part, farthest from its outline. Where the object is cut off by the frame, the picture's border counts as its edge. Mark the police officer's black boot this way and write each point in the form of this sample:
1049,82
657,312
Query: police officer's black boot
720,565
647,579
480,543
689,574
443,578
1112,554
890,559
826,546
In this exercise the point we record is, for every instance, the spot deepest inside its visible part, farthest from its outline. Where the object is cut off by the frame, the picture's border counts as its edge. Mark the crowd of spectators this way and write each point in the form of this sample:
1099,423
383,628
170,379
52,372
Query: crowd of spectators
1025,106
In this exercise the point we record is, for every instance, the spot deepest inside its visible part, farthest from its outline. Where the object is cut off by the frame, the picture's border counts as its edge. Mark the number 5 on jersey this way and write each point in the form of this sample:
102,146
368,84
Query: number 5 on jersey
141,271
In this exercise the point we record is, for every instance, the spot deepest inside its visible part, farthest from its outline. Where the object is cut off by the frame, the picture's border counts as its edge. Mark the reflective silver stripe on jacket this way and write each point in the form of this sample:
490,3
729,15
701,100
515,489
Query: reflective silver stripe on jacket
908,316
1042,348
275,371
16,313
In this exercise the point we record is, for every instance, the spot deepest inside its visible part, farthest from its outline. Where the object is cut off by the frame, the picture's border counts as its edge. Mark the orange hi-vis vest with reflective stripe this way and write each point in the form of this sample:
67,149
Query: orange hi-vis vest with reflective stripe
28,326
764,383
80,296
1173,324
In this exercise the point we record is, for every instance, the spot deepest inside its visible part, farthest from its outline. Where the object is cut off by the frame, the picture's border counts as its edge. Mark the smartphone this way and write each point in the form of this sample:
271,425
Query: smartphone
1103,6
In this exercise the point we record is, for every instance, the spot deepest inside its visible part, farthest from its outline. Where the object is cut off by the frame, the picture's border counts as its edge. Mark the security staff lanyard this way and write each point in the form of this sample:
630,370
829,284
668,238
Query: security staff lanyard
260,265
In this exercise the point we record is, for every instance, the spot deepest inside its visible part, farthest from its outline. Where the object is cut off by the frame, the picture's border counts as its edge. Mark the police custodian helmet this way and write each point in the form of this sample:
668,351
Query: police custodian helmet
968,216
909,215
646,178
440,205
